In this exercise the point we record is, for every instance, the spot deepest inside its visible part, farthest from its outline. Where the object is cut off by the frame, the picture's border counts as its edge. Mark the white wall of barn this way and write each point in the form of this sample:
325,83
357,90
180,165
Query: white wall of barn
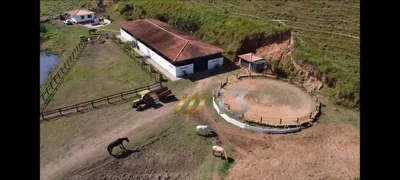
78,18
188,68
212,63
151,54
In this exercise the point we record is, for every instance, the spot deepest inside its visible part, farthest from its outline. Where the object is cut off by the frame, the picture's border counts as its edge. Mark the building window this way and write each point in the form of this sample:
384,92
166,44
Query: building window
89,16
82,17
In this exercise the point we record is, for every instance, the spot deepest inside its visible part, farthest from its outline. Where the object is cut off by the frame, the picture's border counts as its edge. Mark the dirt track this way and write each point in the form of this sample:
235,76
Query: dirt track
271,100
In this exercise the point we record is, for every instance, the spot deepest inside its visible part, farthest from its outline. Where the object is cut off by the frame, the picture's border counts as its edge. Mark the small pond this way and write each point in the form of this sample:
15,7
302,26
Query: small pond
47,63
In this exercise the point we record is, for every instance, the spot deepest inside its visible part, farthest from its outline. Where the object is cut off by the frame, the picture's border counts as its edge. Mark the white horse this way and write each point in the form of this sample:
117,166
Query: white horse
203,129
219,150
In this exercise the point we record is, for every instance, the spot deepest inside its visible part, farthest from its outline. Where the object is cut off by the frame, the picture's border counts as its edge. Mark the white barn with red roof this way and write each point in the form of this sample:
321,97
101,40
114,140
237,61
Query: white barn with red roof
179,53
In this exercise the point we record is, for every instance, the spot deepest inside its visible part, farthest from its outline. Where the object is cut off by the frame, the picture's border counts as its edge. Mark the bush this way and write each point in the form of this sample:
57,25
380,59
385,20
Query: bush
43,28
161,16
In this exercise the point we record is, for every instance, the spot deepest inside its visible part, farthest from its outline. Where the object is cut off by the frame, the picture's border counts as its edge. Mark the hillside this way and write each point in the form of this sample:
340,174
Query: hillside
325,33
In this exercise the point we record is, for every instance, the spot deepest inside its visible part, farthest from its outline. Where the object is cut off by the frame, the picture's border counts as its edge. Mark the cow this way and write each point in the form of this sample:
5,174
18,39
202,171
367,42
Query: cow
219,150
203,130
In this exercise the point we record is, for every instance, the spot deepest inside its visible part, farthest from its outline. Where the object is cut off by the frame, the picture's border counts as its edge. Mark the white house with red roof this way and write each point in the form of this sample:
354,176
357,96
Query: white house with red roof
81,16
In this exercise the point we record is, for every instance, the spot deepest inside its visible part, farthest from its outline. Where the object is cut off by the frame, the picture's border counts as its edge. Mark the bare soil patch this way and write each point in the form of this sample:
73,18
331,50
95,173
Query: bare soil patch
101,70
271,99
326,151
77,141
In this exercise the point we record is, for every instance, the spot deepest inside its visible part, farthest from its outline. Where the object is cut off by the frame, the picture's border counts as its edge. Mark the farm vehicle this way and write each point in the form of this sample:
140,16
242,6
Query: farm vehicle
150,98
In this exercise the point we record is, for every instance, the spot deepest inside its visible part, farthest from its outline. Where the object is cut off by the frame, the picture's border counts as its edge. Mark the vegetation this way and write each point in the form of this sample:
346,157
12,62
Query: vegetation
51,7
217,28
326,33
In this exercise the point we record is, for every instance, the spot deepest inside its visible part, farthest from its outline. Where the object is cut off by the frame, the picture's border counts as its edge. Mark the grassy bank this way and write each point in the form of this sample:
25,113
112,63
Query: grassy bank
328,39
216,28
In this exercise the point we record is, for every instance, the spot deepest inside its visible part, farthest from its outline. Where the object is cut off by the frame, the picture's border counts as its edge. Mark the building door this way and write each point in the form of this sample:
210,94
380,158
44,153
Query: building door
200,65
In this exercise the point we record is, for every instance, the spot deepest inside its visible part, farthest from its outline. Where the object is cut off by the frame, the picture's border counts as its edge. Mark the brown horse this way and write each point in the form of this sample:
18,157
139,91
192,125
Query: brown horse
118,142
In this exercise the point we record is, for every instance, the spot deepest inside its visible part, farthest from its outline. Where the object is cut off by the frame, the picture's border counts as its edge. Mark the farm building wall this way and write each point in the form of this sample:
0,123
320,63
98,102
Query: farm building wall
150,53
212,63
187,68
78,19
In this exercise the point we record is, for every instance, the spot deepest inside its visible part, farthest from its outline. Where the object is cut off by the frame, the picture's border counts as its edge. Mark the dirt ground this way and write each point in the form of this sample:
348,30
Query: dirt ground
324,151
164,146
271,100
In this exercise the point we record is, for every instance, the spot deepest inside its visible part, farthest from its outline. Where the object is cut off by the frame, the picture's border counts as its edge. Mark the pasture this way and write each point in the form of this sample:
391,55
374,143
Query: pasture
102,69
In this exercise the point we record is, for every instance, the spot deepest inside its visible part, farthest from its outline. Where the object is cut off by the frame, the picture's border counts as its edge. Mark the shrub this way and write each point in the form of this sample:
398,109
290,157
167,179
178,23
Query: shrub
161,16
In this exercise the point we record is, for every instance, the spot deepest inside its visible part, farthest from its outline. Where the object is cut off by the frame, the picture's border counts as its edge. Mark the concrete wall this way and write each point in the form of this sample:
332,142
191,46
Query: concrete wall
78,19
212,63
188,68
150,53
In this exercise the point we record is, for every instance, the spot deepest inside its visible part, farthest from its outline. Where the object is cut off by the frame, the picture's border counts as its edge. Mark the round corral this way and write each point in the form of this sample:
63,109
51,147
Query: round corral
271,101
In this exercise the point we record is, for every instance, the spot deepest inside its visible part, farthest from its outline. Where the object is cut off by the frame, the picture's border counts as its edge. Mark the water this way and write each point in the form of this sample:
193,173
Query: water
47,63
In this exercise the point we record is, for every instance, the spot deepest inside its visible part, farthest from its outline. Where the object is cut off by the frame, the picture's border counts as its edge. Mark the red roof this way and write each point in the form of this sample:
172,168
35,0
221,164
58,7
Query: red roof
250,57
174,44
79,12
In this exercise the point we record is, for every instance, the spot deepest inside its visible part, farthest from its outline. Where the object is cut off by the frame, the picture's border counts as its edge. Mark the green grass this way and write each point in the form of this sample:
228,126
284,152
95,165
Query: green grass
61,40
326,33
216,28
224,169
102,69
51,7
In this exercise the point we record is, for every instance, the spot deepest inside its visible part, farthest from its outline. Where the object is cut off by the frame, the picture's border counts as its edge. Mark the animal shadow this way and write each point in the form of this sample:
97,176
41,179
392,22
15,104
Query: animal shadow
125,153
230,160
212,134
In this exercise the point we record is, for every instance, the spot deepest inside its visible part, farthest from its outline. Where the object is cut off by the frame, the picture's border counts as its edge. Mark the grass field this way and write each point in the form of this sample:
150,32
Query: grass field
102,69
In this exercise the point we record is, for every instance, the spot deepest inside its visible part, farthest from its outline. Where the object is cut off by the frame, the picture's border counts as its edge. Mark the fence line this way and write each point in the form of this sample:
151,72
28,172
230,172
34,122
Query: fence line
57,79
263,121
151,70
97,103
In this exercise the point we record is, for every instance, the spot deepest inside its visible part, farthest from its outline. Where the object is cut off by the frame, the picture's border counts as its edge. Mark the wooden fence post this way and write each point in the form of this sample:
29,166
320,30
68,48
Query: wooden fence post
108,100
77,109
122,96
261,120
51,84
297,120
59,110
42,116
280,122
160,77
93,104
310,115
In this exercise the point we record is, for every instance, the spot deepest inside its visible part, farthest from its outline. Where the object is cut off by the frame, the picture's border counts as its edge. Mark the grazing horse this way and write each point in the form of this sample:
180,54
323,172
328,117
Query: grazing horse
118,142
220,151
203,129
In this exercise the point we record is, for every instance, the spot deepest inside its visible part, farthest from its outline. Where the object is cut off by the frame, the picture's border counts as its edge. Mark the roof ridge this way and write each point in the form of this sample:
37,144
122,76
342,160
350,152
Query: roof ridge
180,52
165,30
205,45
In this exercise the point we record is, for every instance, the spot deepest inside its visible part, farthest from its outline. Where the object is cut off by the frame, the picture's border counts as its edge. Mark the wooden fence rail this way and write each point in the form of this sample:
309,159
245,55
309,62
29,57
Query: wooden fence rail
56,80
96,103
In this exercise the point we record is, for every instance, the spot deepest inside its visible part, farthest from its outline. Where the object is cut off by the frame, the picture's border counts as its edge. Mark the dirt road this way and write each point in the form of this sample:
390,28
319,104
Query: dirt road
80,154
